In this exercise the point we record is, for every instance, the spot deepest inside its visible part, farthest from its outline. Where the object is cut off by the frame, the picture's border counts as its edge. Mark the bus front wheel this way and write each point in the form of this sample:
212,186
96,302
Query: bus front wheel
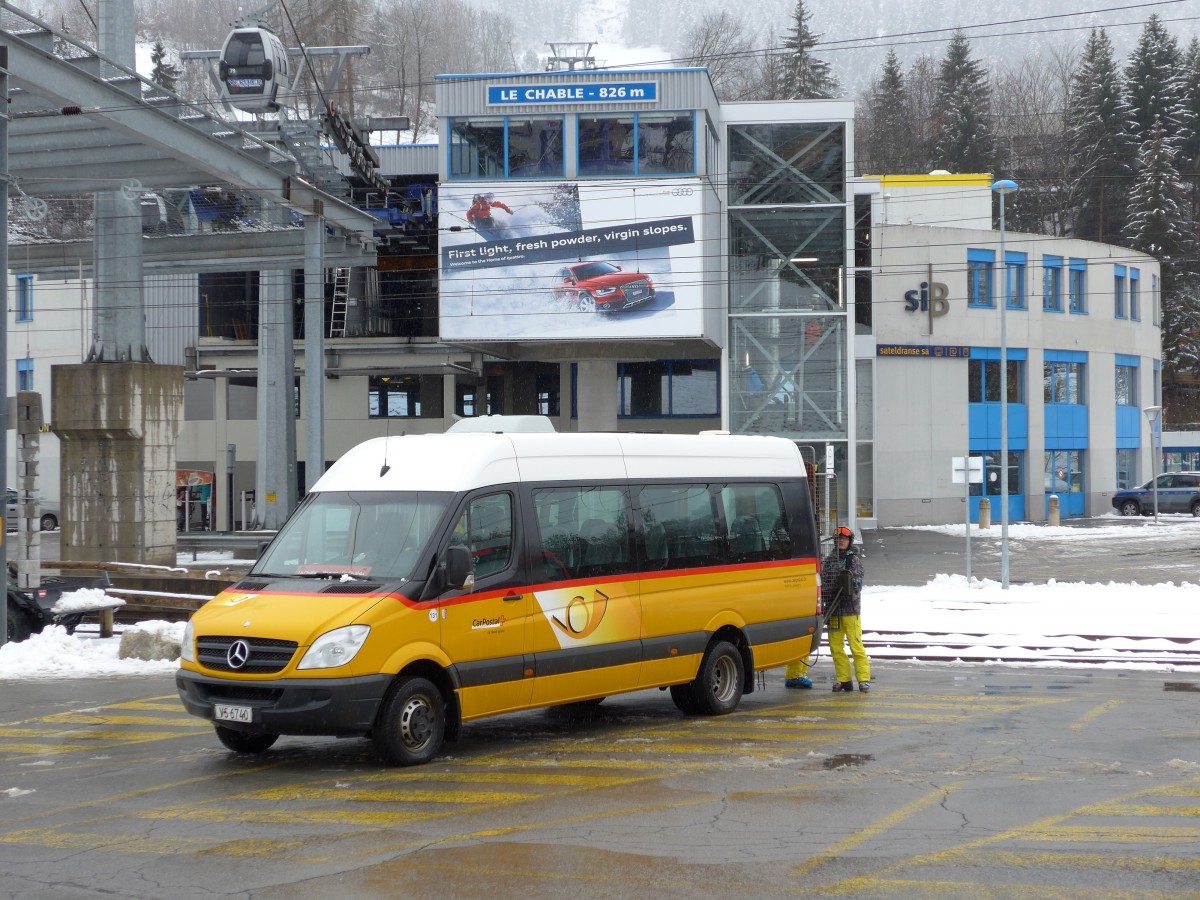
411,724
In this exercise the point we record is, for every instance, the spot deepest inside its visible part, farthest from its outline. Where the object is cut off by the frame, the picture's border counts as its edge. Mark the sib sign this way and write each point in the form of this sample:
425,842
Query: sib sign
930,298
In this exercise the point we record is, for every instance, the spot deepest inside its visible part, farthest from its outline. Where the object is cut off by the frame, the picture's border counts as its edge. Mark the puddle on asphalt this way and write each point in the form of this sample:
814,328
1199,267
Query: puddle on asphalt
846,760
1187,686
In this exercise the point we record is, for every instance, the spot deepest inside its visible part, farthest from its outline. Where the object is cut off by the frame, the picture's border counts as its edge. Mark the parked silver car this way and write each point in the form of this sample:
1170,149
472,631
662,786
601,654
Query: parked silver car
48,514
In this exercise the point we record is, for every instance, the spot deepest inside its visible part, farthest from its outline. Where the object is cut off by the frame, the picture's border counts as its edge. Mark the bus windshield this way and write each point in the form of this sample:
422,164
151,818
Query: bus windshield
362,534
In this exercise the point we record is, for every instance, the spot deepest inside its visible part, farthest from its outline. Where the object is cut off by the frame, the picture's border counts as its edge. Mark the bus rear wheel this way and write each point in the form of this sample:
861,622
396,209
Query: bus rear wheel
717,689
411,724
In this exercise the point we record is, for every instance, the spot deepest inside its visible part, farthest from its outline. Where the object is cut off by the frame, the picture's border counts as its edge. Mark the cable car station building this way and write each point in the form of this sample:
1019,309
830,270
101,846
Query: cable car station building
618,250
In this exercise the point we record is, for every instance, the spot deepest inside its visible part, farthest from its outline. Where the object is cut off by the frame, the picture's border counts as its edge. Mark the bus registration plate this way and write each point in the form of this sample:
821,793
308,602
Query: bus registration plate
233,713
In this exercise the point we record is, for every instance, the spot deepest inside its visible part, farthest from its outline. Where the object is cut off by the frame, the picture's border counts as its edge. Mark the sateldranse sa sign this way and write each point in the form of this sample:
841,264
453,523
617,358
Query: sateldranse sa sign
572,260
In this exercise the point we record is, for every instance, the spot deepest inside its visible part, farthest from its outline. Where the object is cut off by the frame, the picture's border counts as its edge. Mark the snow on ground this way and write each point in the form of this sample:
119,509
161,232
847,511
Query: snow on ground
974,621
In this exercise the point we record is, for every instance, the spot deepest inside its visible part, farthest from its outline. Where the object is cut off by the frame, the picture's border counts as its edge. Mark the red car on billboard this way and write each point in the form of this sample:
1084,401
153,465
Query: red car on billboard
601,287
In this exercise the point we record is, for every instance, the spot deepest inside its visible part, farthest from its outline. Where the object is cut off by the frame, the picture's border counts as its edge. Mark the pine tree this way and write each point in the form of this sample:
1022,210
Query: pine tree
1189,143
888,138
1153,79
1101,152
964,140
805,77
165,74
1159,225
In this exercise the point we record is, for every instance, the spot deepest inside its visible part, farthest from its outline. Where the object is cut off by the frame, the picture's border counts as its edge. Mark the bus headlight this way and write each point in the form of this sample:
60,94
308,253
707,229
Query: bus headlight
335,648
187,644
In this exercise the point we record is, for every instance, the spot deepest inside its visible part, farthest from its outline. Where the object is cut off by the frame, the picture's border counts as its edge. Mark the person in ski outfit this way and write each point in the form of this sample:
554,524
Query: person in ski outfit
480,213
842,580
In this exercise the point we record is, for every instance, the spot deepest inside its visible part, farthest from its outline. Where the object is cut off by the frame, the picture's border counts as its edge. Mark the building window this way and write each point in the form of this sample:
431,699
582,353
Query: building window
787,163
1052,267
1126,469
1154,307
1135,300
1063,471
24,298
535,147
1119,291
477,148
24,374
637,144
979,277
405,397
1077,287
992,474
983,381
668,388
1014,278
1062,382
1126,386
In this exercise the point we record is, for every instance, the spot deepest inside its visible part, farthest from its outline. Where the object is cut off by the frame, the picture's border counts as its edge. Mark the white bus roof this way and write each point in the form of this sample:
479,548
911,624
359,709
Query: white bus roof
463,462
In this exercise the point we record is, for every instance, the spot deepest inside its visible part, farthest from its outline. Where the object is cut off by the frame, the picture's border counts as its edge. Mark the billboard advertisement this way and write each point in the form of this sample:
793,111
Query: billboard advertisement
571,260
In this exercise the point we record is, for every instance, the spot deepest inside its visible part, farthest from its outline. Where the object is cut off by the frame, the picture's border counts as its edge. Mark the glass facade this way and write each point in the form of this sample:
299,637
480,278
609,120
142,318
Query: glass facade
790,323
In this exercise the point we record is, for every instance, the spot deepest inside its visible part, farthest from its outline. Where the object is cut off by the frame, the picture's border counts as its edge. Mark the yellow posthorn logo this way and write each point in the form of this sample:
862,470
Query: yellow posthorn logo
581,617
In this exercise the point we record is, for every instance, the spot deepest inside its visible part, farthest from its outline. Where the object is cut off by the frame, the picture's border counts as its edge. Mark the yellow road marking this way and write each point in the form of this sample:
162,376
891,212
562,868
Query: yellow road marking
381,796
93,719
1088,717
865,834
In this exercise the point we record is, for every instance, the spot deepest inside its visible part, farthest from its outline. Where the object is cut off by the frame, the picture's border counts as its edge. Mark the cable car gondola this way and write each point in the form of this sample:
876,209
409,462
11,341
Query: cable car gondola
254,69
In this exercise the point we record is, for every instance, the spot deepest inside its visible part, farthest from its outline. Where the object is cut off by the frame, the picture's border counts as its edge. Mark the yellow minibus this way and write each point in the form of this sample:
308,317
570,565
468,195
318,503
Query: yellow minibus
429,580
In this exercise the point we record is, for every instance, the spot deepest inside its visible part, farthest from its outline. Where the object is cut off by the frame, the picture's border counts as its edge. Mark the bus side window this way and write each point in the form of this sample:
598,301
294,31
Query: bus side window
757,522
486,529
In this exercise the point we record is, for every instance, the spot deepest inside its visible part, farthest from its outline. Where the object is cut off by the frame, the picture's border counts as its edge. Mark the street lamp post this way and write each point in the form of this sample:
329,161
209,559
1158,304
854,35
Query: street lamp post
1002,187
1152,416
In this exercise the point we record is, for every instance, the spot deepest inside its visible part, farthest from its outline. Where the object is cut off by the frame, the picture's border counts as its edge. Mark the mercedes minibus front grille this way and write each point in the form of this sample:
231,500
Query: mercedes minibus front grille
253,656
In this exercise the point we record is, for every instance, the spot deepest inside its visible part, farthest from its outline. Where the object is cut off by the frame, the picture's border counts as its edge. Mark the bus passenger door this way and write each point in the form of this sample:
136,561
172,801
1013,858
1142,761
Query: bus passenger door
587,618
485,629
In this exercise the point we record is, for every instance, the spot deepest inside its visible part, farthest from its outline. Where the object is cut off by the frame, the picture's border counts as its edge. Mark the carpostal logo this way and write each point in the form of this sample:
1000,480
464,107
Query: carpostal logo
581,617
486,624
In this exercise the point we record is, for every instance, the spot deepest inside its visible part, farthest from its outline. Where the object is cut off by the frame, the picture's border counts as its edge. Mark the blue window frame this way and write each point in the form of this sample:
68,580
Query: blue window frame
1077,286
24,298
675,388
1154,300
1062,377
1126,468
500,147
1135,301
1126,386
1052,267
979,277
24,374
1014,279
1119,292
648,143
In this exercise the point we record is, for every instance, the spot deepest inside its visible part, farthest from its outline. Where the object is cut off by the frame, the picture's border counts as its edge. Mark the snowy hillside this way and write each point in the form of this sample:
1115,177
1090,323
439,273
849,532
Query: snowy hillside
654,30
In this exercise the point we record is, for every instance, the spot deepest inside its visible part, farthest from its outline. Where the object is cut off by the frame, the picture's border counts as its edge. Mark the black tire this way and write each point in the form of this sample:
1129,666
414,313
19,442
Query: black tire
49,522
19,626
684,698
411,723
1130,508
244,741
1196,507
718,685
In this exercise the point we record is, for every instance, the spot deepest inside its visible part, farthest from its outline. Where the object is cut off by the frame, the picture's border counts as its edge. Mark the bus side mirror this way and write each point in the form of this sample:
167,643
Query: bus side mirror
457,570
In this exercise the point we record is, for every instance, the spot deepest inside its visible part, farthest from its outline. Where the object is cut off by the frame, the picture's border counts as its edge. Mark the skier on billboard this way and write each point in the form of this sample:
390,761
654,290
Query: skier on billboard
480,213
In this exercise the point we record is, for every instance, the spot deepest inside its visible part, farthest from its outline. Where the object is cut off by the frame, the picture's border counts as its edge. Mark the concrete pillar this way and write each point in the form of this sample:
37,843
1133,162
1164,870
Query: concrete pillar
1052,506
119,424
275,478
985,514
596,394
